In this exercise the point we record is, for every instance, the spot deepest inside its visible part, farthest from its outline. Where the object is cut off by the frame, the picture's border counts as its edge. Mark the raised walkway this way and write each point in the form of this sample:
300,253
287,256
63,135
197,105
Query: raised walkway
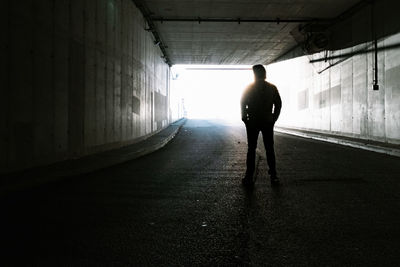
90,163
379,147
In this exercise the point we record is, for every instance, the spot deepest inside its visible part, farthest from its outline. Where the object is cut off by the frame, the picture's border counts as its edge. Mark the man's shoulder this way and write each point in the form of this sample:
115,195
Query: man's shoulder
271,85
247,91
248,88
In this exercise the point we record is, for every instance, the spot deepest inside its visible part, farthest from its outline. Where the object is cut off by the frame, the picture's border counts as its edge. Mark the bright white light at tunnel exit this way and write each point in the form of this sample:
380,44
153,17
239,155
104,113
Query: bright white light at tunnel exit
211,92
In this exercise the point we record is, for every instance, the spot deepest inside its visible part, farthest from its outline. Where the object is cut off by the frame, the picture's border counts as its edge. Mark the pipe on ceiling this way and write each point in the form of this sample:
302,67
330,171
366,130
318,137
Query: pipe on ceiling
238,20
153,29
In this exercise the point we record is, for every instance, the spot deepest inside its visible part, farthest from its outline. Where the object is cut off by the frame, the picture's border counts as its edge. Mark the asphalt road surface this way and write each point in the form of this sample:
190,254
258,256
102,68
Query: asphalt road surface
184,206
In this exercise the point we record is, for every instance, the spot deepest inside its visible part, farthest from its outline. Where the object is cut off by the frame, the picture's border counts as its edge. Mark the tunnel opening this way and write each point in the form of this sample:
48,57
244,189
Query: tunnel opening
209,91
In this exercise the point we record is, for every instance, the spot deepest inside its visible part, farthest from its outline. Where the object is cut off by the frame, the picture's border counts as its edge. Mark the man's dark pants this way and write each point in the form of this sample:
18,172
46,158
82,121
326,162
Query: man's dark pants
253,130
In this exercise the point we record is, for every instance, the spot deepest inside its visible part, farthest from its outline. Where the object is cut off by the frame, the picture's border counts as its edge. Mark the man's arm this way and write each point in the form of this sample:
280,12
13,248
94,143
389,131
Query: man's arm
243,104
277,105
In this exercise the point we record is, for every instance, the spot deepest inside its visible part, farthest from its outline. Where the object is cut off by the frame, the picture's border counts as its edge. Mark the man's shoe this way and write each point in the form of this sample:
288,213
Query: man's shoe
274,180
247,181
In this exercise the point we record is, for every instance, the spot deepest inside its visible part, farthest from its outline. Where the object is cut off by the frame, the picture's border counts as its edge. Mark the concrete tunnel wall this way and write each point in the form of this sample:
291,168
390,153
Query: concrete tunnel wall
77,77
341,100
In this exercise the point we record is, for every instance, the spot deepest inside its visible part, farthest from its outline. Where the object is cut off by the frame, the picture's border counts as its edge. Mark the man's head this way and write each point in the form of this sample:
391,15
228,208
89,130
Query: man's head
259,72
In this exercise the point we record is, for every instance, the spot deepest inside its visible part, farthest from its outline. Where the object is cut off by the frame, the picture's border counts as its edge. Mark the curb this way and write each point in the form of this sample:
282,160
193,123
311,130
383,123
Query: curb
147,146
91,163
356,144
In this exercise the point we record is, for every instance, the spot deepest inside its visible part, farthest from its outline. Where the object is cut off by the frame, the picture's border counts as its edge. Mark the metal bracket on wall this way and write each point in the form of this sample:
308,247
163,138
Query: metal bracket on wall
375,85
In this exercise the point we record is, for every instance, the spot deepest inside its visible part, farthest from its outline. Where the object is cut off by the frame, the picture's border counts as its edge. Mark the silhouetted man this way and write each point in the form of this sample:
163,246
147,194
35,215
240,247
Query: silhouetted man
261,105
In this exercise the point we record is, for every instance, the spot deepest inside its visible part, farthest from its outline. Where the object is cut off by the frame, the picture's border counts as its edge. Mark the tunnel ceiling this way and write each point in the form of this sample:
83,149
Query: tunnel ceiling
209,41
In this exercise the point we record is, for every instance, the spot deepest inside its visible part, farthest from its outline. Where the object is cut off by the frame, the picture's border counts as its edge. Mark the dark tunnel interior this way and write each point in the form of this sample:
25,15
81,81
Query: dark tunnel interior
199,133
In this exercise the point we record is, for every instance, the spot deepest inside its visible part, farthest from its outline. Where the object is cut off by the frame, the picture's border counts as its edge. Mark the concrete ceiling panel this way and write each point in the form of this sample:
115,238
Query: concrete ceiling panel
230,42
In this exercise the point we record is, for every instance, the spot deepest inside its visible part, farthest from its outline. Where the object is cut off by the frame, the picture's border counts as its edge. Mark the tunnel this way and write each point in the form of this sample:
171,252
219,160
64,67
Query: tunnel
103,164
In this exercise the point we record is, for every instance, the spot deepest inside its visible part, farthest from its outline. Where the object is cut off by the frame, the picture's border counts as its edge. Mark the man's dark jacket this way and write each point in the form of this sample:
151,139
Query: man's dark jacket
257,102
